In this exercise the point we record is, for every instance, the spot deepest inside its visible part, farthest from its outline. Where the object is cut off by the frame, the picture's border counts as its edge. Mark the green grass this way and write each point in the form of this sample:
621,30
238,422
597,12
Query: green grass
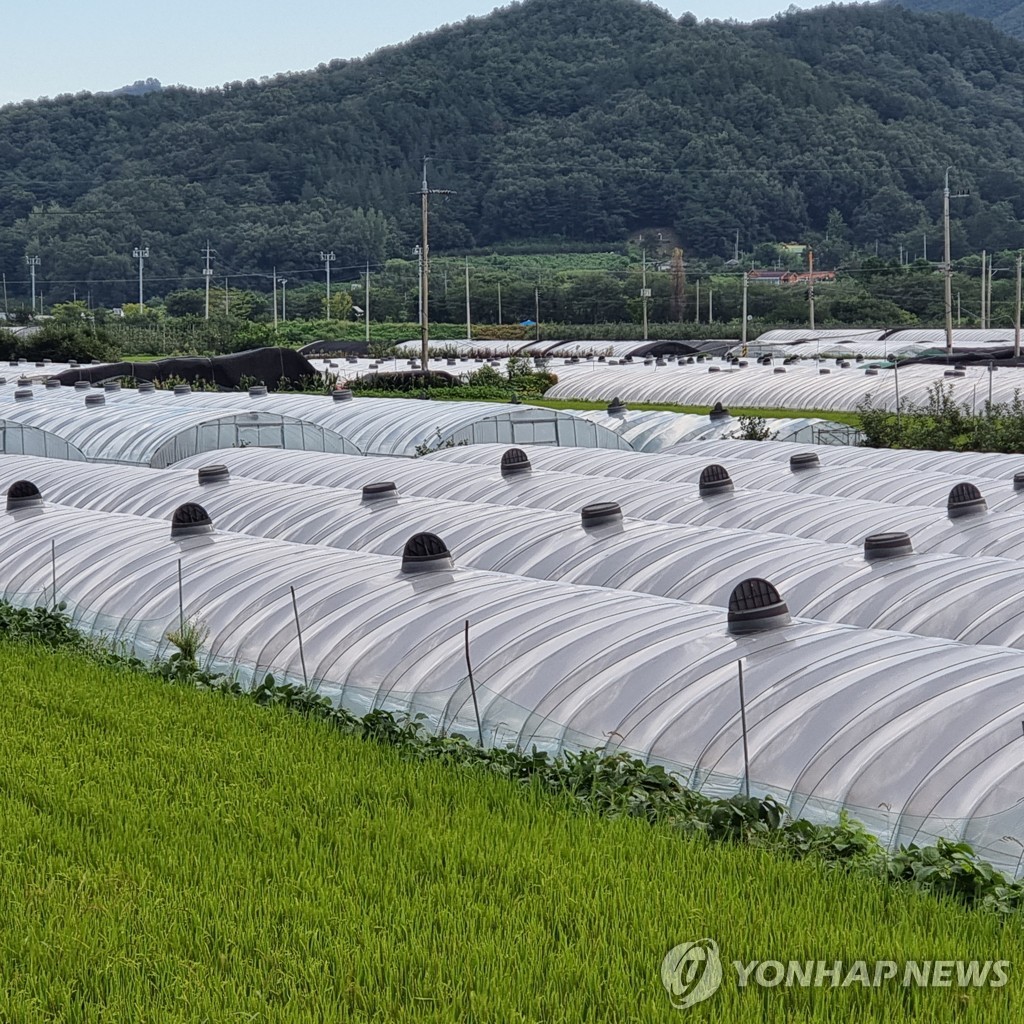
174,855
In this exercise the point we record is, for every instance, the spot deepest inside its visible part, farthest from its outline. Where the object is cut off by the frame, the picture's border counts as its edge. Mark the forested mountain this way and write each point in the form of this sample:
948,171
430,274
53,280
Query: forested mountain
1006,15
572,120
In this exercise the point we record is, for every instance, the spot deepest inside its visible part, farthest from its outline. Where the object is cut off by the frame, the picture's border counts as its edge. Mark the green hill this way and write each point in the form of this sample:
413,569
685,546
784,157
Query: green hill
1006,15
572,122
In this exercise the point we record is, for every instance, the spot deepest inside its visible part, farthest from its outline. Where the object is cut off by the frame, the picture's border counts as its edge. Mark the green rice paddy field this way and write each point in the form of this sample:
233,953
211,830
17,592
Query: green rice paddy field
174,855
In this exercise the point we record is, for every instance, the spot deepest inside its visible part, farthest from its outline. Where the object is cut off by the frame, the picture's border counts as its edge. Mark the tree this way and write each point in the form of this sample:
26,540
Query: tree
188,303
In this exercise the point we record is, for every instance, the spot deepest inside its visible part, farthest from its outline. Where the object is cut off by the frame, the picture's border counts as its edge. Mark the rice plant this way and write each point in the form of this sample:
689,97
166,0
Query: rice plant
171,854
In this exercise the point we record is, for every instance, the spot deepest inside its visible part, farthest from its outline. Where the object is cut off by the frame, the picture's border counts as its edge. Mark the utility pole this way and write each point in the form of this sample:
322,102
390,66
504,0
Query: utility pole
499,302
711,307
696,315
810,284
743,335
327,258
677,286
469,320
275,298
140,253
284,299
418,253
33,262
988,299
645,292
366,303
7,311
948,259
984,288
536,313
1017,312
425,194
207,274
227,303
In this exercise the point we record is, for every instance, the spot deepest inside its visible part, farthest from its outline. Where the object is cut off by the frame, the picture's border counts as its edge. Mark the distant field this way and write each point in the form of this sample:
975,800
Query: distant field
172,855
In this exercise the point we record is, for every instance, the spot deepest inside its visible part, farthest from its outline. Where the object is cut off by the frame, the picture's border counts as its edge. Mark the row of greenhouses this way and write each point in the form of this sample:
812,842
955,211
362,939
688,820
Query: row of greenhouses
157,428
803,342
801,515
836,716
797,469
905,342
338,423
840,386
872,585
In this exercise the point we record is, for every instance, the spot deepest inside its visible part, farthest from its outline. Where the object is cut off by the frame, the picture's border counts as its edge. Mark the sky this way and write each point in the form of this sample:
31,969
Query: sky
69,46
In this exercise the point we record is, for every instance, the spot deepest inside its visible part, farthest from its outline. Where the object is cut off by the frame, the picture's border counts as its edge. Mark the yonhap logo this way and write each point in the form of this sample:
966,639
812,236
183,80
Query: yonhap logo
691,972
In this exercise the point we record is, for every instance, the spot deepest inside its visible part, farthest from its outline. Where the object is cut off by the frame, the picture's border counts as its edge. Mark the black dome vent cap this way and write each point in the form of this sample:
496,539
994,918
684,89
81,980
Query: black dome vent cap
514,461
616,407
601,513
714,479
892,544
755,605
111,385
146,387
91,400
341,395
83,385
182,389
52,382
719,412
964,500
190,519
218,474
1018,481
23,494
426,552
380,490
23,395
258,391
804,460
